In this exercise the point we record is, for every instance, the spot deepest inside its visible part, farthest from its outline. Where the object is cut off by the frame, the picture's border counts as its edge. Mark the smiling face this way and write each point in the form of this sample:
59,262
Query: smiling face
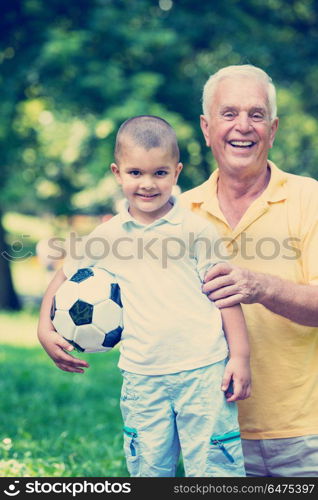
147,179
239,129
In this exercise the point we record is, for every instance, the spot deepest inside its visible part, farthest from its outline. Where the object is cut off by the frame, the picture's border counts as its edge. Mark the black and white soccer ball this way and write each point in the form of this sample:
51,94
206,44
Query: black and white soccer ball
87,310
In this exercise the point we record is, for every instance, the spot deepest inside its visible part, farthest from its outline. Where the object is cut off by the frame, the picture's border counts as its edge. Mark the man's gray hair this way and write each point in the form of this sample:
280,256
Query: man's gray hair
247,70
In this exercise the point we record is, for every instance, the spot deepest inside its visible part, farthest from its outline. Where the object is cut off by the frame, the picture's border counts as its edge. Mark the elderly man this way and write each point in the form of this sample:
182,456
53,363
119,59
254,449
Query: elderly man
269,221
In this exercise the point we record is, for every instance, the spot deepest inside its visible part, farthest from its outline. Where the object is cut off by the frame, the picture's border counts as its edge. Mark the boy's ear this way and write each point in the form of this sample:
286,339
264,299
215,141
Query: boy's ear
115,169
178,170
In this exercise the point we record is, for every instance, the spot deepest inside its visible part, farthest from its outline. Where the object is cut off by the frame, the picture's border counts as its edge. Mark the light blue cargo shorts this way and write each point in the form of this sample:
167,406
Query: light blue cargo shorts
187,410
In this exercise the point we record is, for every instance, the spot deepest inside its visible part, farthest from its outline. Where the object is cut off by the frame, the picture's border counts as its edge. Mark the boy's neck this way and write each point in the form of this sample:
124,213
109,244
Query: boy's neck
148,218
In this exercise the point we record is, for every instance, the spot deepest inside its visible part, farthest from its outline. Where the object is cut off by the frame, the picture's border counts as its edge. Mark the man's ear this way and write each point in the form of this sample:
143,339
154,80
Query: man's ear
205,129
115,169
274,127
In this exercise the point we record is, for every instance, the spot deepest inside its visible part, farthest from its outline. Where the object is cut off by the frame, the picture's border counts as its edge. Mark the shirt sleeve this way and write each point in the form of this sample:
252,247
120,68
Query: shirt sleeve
309,252
90,250
76,254
303,208
208,248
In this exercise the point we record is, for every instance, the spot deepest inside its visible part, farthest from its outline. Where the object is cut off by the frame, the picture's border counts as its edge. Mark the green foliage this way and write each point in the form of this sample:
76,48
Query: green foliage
57,423
72,72
296,148
89,65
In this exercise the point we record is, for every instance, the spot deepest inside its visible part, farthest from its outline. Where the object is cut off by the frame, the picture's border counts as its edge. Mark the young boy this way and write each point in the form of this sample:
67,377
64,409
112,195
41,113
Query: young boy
173,354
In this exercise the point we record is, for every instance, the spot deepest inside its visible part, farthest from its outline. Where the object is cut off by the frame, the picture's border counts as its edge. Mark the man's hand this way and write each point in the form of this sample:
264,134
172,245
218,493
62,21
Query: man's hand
237,370
227,285
55,345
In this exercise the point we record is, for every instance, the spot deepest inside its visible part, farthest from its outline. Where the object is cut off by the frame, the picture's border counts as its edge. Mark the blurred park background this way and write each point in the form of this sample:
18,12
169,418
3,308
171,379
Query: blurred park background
70,74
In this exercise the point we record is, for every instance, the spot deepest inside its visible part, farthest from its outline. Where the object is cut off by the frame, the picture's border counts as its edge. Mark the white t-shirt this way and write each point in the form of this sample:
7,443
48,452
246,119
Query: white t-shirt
169,324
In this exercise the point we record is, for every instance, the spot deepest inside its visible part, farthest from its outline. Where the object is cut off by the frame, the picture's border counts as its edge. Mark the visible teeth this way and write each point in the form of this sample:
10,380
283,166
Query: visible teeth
241,143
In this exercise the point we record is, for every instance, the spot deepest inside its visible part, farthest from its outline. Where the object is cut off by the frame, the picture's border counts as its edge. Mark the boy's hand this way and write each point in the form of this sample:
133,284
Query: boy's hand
237,370
55,346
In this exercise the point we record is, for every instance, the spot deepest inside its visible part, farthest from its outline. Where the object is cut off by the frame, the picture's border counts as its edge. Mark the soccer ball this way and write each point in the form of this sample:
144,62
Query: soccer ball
87,310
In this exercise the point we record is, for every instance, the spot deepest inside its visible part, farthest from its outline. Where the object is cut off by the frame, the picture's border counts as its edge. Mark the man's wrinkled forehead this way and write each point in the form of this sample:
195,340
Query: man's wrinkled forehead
240,91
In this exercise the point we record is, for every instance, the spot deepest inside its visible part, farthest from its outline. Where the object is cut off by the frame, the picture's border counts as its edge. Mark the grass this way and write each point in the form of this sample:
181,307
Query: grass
19,328
56,423
53,423
30,279
23,233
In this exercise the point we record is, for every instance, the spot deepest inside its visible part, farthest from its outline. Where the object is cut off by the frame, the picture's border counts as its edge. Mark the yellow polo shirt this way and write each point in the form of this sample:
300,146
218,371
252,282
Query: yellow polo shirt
278,235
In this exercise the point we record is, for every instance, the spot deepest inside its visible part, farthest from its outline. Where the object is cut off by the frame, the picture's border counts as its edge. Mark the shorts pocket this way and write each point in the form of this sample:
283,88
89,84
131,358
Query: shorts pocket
131,447
225,449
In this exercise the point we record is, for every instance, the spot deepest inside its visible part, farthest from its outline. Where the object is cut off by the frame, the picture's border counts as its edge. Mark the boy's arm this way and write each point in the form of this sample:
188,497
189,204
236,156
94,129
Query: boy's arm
52,342
238,367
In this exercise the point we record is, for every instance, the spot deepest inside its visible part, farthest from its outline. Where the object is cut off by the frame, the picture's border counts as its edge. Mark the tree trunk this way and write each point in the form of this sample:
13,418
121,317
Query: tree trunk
8,297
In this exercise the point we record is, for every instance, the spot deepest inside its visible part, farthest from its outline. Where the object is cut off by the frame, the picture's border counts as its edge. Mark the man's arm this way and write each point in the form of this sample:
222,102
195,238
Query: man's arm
227,285
51,341
238,366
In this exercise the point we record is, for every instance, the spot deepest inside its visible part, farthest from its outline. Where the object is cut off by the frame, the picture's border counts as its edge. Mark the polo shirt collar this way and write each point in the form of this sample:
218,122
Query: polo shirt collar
174,216
206,194
277,186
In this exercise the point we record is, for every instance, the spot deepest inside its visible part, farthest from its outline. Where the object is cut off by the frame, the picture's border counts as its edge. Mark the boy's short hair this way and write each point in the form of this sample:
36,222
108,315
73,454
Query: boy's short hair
147,131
